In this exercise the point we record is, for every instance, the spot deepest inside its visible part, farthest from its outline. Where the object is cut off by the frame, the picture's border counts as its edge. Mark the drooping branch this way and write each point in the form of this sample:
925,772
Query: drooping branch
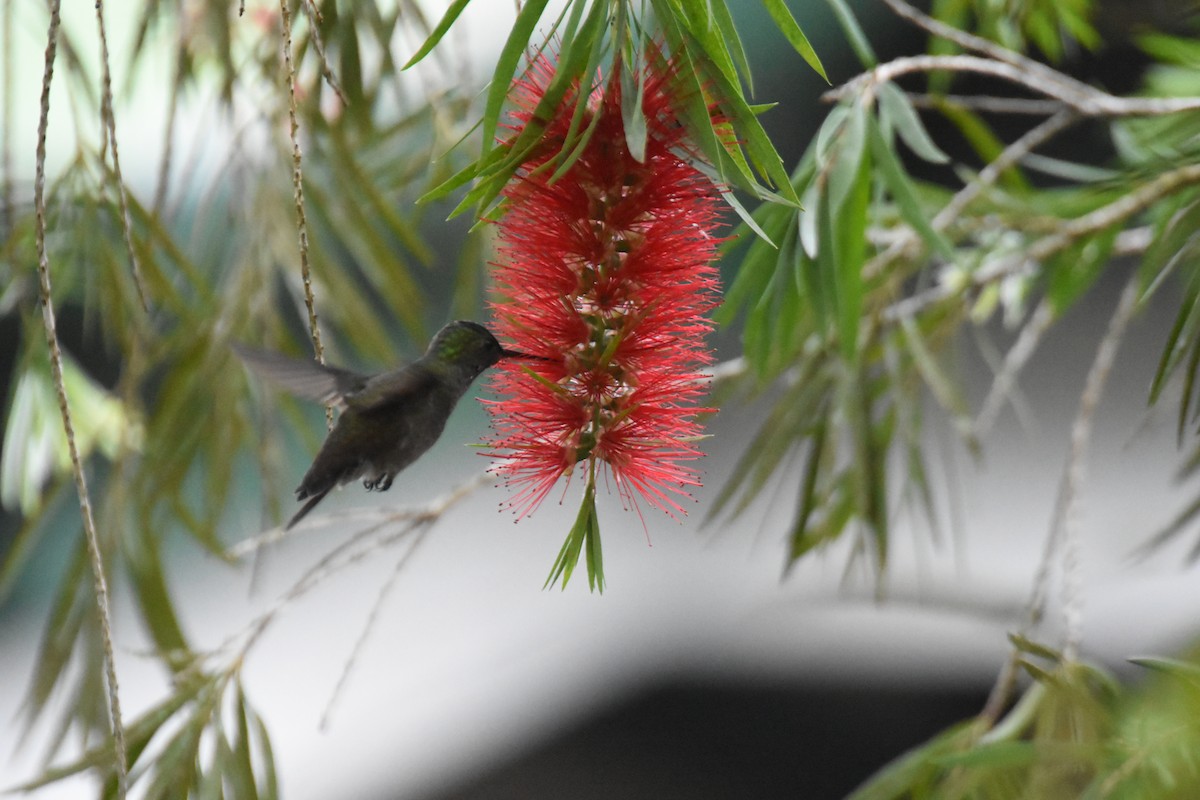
95,555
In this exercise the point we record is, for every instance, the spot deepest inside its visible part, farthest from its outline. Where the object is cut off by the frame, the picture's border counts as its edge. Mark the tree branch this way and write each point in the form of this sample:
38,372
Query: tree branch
1042,80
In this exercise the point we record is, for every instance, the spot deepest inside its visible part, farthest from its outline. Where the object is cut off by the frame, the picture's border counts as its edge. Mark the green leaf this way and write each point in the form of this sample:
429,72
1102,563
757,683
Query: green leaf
847,153
854,33
633,116
728,33
351,73
745,216
705,62
754,271
30,533
585,531
914,769
787,25
240,772
897,109
801,541
447,20
948,394
994,755
850,247
898,183
71,606
506,65
1184,328
1176,668
269,788
1073,271
154,602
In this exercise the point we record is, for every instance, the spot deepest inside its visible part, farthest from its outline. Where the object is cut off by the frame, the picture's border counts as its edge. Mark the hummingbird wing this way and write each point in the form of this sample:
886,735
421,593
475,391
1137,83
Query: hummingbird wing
307,379
392,388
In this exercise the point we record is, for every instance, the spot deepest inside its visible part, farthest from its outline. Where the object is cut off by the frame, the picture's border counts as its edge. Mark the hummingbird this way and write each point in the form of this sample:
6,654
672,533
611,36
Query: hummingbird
387,421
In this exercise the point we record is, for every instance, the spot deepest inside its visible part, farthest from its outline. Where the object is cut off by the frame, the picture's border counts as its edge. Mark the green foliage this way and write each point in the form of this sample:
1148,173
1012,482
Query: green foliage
851,382
1052,26
589,37
217,250
584,537
205,740
1073,733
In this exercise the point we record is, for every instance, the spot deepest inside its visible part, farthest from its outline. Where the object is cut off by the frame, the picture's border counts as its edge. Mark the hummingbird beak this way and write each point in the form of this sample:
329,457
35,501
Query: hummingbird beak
506,353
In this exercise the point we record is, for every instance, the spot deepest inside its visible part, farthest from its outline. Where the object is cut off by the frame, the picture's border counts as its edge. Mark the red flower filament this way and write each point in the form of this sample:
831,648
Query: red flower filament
605,275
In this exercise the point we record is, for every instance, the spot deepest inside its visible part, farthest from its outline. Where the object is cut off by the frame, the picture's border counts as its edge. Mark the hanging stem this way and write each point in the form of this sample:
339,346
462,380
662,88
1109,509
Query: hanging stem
85,507
110,126
314,328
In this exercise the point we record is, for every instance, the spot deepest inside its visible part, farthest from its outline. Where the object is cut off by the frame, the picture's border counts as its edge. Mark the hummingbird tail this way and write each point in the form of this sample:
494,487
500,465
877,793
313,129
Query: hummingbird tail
307,507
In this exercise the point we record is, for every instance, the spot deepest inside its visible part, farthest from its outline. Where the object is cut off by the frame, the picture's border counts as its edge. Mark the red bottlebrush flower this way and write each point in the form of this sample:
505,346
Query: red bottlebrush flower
605,274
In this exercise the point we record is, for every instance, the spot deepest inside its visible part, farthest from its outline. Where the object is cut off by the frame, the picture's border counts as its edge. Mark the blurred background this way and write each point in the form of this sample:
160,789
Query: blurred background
702,671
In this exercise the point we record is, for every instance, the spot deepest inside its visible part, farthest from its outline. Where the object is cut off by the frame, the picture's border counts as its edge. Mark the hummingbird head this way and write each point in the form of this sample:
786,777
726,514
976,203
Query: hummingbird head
469,346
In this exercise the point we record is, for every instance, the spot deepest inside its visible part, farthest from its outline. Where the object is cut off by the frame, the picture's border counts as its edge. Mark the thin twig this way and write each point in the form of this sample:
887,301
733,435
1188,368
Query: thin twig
1086,100
95,556
314,327
1064,527
993,105
1041,75
164,164
967,40
372,514
369,625
314,17
1009,157
110,125
1120,210
352,551
1066,515
1067,234
1031,335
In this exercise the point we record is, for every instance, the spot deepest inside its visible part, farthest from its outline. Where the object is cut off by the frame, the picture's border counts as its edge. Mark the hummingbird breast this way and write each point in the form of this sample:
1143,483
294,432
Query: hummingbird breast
372,443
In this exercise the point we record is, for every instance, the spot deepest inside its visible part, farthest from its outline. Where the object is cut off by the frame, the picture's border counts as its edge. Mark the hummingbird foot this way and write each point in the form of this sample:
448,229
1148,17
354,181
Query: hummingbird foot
381,483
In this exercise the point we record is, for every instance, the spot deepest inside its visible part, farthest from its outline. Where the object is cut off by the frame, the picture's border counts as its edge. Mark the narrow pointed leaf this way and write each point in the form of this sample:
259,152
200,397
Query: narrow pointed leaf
787,25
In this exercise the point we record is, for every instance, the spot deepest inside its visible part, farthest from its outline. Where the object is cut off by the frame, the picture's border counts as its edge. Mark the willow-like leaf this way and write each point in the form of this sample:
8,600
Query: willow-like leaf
510,58
727,31
945,390
138,734
854,33
787,25
155,606
453,11
915,770
1073,271
849,240
584,537
900,187
896,112
62,634
241,773
809,500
